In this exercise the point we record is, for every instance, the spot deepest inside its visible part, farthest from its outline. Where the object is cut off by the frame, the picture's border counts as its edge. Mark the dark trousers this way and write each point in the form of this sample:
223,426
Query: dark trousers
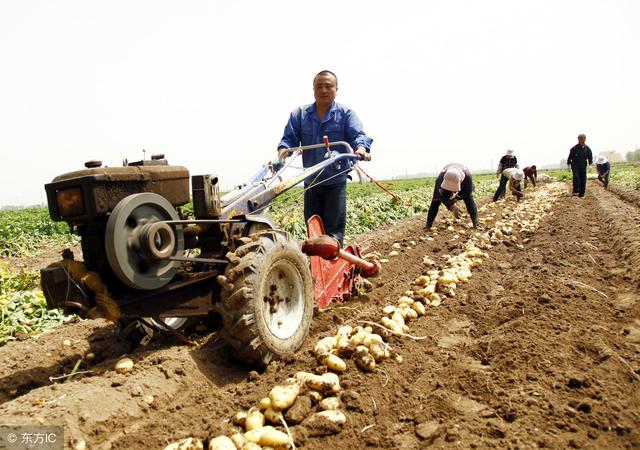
579,179
604,178
502,187
330,203
467,198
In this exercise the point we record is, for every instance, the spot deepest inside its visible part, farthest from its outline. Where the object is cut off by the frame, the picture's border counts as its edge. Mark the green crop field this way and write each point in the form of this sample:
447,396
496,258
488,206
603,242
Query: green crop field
26,232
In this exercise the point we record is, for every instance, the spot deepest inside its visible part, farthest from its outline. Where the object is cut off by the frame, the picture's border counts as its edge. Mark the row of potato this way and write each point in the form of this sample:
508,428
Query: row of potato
366,348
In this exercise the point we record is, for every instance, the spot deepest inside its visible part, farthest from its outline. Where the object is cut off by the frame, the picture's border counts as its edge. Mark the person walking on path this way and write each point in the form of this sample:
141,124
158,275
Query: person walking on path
508,161
453,183
530,173
603,166
579,156
308,125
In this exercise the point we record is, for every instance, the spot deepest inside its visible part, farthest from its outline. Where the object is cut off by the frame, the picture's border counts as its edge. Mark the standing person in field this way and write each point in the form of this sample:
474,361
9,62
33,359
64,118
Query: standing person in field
530,173
579,156
603,166
514,177
506,162
453,183
308,125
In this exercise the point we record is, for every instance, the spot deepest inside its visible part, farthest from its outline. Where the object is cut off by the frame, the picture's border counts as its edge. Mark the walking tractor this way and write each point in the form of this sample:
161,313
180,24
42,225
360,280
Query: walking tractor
147,263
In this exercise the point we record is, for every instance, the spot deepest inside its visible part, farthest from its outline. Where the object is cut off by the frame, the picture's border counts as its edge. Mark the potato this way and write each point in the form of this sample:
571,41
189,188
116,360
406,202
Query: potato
274,438
254,435
221,443
326,383
392,254
239,440
410,314
377,352
264,403
240,418
255,420
364,360
345,330
396,245
334,416
373,338
422,280
346,348
333,362
390,324
251,446
419,308
273,416
315,396
408,294
124,365
405,301
359,337
389,309
329,403
282,397
397,318
325,345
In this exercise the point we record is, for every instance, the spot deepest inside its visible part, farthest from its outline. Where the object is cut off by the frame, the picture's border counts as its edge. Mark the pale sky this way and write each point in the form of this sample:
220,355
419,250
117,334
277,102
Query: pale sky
211,84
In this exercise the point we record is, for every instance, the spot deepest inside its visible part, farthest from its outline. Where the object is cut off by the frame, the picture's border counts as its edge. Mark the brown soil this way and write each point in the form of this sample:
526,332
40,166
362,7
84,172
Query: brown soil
540,349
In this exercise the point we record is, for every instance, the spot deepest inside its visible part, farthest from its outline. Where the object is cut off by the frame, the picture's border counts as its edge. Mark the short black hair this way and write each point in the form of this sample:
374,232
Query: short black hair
325,72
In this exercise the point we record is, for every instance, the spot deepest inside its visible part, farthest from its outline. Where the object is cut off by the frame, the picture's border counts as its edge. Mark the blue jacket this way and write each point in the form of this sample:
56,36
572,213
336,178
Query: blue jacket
305,128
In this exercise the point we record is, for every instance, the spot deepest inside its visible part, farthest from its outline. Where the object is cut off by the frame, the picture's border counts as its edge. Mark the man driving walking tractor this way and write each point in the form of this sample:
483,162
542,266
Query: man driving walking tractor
307,125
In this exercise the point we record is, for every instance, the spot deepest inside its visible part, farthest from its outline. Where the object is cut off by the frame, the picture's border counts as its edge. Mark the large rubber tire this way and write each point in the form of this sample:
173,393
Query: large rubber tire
269,267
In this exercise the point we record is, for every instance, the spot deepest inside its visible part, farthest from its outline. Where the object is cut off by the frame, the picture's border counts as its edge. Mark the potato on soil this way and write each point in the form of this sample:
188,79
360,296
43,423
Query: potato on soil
364,360
239,440
221,443
333,362
327,383
281,397
325,345
329,403
254,420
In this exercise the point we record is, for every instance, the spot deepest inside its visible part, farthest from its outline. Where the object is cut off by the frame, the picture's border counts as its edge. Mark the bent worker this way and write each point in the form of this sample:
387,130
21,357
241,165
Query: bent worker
603,166
579,155
325,193
530,173
453,183
506,162
515,177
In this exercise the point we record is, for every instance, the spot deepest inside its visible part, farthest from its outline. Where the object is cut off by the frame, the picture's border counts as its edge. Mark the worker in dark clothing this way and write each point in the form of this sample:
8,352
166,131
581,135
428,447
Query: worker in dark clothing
579,156
506,162
603,166
453,183
530,173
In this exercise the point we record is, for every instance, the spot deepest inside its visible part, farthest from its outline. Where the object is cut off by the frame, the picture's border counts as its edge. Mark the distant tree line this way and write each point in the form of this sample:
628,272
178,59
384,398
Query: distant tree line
634,155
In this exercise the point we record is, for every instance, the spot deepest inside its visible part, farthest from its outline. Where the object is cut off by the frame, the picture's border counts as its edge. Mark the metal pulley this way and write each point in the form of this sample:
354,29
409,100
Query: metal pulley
138,242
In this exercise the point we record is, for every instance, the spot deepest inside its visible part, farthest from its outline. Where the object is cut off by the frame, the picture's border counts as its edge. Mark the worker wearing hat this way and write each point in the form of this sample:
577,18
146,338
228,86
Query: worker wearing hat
579,155
515,177
508,161
603,167
453,183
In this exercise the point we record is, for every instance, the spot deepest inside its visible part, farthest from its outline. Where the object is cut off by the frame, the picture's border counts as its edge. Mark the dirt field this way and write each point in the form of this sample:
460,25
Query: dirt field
540,349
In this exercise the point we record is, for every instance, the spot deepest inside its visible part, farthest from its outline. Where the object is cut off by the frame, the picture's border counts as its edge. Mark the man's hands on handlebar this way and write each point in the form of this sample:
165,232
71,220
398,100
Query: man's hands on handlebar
363,154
